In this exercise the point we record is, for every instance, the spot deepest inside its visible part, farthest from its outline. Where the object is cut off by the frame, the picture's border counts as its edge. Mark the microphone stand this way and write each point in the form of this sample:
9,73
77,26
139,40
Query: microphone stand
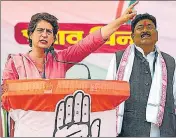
75,63
46,50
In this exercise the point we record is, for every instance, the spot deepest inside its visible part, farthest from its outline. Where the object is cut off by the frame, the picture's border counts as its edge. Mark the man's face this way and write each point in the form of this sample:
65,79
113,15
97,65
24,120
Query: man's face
145,33
43,36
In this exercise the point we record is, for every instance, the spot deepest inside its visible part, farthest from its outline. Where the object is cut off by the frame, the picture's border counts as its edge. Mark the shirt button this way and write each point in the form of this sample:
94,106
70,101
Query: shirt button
146,72
146,83
143,60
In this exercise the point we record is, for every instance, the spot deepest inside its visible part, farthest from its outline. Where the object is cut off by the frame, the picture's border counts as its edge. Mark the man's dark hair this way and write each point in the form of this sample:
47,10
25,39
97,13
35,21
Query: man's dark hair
42,16
140,17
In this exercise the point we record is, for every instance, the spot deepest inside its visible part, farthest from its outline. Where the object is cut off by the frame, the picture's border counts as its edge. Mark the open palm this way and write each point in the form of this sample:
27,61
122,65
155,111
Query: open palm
73,117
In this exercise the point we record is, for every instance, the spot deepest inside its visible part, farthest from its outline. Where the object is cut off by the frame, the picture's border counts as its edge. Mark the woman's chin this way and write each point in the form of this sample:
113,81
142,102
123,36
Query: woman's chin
43,46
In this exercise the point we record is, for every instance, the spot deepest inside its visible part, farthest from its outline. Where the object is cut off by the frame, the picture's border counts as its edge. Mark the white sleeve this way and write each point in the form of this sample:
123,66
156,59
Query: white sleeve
111,74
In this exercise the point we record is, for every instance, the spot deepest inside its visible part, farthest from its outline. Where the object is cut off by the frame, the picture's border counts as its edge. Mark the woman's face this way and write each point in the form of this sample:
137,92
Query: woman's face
43,36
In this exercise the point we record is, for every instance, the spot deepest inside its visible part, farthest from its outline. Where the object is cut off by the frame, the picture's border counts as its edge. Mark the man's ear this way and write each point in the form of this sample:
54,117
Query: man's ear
157,34
132,36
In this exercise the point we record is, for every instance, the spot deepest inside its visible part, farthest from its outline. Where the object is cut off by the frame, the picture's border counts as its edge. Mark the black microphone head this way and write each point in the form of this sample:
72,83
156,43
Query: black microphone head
51,48
46,50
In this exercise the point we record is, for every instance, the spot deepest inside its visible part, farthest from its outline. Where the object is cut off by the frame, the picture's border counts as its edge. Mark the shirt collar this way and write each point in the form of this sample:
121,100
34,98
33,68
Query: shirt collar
142,51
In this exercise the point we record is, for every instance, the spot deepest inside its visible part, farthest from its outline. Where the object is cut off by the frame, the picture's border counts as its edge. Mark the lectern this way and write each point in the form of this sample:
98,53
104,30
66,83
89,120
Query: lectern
32,103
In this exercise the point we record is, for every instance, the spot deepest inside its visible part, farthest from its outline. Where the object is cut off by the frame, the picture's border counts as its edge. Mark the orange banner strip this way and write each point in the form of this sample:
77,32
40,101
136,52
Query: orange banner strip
43,95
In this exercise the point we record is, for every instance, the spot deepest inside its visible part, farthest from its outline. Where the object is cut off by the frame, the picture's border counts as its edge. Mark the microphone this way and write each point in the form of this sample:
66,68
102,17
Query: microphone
46,51
51,50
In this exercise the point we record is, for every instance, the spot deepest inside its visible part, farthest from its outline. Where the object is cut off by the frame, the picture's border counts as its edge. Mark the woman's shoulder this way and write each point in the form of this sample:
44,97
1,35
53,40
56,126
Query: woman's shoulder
18,55
15,57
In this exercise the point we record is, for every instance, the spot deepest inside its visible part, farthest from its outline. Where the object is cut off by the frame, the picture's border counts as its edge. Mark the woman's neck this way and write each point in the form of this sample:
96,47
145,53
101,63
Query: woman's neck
37,53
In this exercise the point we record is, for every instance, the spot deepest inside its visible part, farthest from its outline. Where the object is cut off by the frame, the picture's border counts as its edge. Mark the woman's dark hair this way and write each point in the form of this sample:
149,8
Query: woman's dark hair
42,16
140,17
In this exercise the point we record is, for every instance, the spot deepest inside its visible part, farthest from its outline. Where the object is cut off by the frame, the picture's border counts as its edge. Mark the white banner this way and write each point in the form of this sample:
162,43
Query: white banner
96,12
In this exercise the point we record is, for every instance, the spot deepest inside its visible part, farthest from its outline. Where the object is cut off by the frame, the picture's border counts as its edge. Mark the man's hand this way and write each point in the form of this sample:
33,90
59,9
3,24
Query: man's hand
73,117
